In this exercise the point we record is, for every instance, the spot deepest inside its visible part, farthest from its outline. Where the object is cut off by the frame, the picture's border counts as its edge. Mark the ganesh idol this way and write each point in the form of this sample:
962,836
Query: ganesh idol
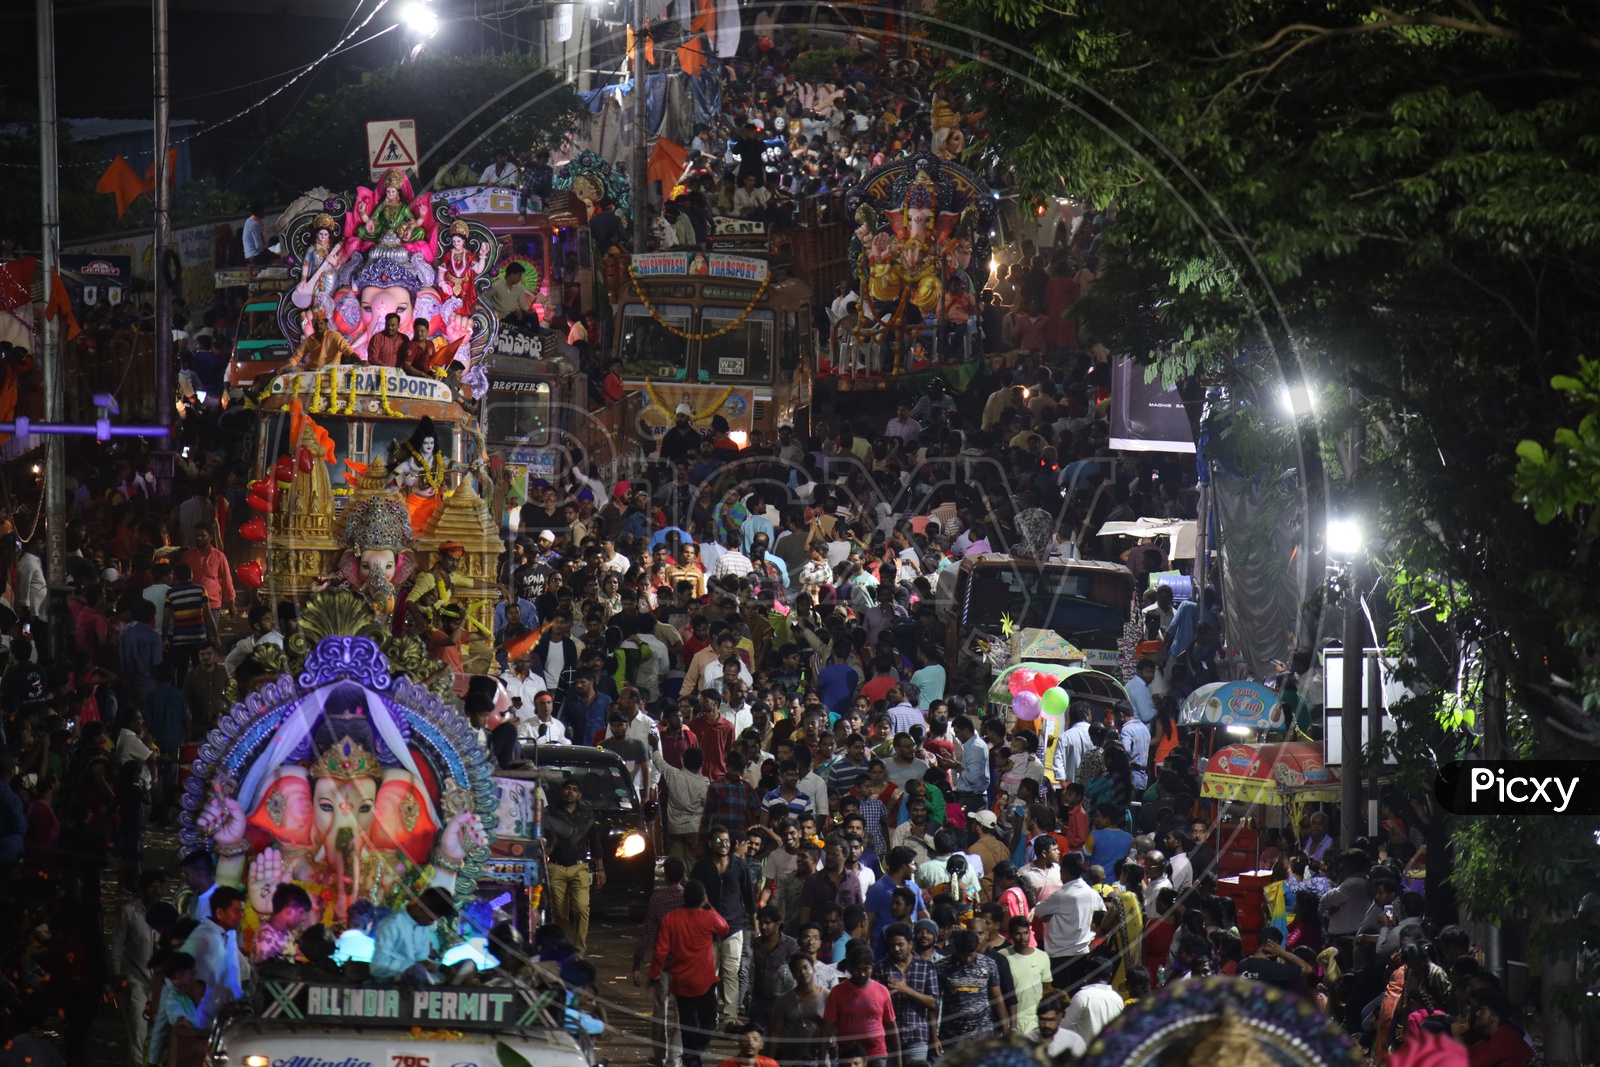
340,804
384,280
379,553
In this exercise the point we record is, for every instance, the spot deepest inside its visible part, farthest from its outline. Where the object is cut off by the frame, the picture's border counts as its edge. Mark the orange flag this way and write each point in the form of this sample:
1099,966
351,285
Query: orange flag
297,423
692,56
705,19
443,354
518,647
172,172
121,181
666,164
60,305
649,47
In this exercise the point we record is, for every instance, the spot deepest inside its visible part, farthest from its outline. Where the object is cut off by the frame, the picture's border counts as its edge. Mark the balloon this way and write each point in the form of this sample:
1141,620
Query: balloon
259,502
254,530
1025,705
304,460
1020,681
1054,701
1043,683
250,573
283,470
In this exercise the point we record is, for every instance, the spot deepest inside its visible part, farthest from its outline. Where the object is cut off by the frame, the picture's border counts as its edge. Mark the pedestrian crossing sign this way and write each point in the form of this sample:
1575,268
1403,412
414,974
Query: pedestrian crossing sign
391,143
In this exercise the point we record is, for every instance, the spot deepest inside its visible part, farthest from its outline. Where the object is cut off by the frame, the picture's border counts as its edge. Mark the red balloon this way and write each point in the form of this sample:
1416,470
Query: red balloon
304,459
1020,681
250,573
283,470
254,530
260,503
1042,682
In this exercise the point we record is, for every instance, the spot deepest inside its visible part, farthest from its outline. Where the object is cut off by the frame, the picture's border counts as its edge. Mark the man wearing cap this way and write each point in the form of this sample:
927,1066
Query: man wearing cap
790,448
321,347
990,847
680,442
433,590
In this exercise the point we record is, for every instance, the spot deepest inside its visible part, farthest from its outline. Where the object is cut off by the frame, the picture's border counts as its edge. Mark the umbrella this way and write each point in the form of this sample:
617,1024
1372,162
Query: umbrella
1245,704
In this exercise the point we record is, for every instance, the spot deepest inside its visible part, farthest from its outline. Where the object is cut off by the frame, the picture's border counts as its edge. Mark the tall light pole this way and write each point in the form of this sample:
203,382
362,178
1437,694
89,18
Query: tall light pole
163,219
640,162
55,456
1344,539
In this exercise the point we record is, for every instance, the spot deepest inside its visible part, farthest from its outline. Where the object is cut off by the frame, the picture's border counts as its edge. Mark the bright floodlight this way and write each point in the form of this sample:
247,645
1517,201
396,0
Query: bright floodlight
420,19
1344,537
1296,400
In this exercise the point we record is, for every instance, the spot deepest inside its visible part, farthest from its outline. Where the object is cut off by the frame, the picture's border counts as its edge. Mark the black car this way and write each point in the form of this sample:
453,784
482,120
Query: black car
630,856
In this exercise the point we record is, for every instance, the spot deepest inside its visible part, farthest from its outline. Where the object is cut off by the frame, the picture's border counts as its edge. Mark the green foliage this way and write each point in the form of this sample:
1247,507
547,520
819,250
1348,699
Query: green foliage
325,142
1564,478
1404,198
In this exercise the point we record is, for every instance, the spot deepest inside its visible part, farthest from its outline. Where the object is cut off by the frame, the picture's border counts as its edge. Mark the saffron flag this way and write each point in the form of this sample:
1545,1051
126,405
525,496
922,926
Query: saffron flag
172,172
298,420
705,19
666,164
649,47
60,306
692,56
121,181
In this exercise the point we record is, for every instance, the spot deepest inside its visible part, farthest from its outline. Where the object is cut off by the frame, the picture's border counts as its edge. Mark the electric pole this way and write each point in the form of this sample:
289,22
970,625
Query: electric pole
55,456
639,164
163,219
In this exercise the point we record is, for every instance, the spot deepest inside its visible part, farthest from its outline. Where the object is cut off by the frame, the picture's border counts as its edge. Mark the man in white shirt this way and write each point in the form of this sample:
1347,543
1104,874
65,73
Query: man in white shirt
1041,879
264,631
732,561
612,560
215,945
1178,844
735,708
1095,1003
523,684
131,948
640,728
1073,744
501,172
543,727
1155,872
1070,915
32,589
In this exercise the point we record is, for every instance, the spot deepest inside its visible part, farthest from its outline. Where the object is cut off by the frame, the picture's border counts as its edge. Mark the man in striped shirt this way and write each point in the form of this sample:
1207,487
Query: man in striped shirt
186,623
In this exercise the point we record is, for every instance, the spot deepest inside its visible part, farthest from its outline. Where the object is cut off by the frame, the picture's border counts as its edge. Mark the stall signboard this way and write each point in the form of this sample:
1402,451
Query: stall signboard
700,264
96,280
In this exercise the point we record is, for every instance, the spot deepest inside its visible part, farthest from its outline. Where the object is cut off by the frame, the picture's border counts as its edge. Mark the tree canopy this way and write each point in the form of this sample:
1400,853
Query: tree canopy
497,101
1403,199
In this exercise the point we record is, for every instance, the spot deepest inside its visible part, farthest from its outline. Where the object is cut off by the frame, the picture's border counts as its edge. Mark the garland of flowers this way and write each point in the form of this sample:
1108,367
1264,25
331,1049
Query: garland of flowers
698,416
350,408
383,394
685,334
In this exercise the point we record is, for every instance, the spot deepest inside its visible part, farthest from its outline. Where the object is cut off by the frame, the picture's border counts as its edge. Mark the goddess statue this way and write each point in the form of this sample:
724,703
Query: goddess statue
320,265
459,271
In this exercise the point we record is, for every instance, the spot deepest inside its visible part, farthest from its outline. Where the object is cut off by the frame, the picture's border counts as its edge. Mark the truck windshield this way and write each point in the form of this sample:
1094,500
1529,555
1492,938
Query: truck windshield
744,353
648,347
522,415
1088,608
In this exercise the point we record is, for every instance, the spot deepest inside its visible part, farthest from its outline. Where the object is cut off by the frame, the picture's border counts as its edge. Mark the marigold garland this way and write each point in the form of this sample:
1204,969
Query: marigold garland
698,416
686,335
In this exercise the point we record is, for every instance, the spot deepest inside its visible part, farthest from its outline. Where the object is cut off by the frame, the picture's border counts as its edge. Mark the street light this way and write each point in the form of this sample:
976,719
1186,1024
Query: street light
420,19
1297,400
1344,537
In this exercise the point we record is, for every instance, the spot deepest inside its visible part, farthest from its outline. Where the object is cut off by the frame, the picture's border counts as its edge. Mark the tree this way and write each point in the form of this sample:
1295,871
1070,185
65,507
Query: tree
325,142
1398,198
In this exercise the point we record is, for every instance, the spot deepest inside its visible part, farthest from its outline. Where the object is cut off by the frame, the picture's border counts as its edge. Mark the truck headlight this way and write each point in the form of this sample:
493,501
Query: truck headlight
630,846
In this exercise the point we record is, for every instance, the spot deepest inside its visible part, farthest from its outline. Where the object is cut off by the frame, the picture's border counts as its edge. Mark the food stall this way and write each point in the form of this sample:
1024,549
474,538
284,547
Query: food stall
1279,779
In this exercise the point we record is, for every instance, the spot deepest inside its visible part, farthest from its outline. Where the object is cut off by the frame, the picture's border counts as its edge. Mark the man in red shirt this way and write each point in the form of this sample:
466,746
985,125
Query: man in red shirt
859,1011
383,349
1075,829
714,733
687,939
209,569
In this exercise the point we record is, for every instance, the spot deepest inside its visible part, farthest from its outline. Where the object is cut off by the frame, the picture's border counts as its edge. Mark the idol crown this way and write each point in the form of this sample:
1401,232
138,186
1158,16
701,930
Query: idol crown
346,760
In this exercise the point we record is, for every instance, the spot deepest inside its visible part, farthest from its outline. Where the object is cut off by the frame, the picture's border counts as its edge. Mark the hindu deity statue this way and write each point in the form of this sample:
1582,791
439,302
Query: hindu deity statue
320,265
384,280
386,210
378,552
339,804
459,271
421,472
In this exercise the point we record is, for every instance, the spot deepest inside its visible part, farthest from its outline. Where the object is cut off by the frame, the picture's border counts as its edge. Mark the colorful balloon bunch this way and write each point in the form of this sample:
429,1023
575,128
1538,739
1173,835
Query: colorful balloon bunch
1035,693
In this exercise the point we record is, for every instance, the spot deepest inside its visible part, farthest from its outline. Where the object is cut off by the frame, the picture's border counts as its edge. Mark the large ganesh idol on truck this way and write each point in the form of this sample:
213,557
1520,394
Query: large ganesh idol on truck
392,253
344,776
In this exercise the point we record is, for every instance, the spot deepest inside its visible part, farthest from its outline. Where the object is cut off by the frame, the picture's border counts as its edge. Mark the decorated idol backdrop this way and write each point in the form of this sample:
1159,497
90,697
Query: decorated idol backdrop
921,246
393,253
592,179
344,775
